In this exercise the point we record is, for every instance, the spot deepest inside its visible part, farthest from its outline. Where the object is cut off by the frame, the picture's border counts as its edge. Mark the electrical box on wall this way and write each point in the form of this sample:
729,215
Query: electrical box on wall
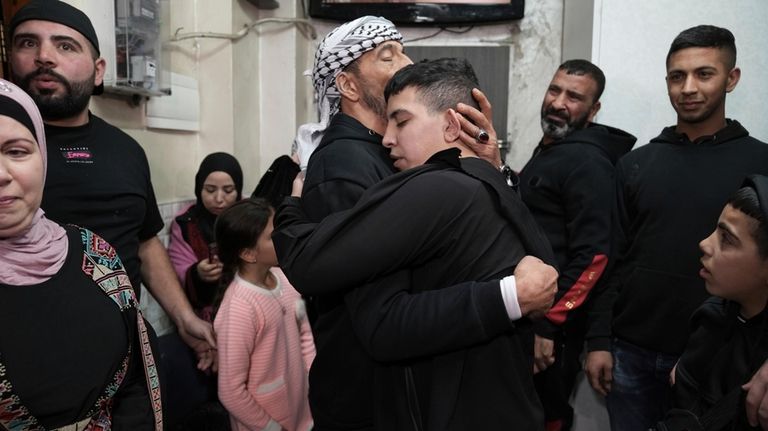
129,38
137,44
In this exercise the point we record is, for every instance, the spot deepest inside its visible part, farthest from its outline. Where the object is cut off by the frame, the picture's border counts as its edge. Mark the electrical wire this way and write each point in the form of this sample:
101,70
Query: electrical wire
442,29
304,26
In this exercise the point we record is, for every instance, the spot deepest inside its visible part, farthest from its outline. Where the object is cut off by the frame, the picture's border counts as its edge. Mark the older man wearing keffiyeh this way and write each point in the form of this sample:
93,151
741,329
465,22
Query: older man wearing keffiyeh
352,65
340,48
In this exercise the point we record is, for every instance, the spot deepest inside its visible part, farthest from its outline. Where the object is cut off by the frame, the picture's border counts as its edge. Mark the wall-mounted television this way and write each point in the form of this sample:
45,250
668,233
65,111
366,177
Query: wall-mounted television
422,12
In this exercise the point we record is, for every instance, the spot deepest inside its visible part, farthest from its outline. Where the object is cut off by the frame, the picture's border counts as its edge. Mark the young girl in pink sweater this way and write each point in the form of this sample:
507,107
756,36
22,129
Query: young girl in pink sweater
263,336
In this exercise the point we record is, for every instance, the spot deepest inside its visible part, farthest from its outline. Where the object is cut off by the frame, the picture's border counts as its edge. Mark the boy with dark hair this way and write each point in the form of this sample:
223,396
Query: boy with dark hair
706,36
456,79
729,332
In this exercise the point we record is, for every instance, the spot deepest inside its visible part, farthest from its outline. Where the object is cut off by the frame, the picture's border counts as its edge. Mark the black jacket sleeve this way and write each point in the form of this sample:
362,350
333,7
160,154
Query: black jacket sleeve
600,310
340,172
330,196
377,237
588,197
394,324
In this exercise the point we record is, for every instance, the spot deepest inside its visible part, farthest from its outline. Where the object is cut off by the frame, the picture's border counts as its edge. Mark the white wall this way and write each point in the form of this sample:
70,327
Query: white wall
630,44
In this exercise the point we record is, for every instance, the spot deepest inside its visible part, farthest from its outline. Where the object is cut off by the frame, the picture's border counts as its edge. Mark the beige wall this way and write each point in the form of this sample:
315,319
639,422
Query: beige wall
175,156
253,94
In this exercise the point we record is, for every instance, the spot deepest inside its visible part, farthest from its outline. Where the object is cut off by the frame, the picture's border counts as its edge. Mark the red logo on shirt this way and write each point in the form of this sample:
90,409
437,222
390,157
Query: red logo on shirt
77,155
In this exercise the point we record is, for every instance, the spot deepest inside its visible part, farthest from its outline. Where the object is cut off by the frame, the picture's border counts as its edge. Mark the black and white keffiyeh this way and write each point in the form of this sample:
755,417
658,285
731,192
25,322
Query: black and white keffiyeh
338,49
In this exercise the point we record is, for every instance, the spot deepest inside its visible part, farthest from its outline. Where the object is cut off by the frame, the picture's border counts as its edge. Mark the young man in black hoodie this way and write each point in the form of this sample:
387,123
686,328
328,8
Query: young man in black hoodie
568,185
669,193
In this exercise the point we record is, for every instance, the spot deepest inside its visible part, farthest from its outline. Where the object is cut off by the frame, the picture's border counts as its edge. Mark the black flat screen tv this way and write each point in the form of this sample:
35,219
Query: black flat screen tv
429,12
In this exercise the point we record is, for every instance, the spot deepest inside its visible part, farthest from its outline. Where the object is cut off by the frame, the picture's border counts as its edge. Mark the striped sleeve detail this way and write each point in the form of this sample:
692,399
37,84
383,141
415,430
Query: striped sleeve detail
577,294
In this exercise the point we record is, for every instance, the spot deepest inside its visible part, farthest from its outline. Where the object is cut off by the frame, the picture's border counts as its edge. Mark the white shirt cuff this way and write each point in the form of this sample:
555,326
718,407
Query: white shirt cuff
509,295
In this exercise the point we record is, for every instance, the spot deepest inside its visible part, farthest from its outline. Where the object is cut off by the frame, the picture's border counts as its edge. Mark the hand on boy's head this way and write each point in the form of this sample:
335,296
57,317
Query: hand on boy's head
472,121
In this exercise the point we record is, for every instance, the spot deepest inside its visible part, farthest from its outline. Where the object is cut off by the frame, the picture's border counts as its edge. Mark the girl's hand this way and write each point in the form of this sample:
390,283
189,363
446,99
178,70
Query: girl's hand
209,271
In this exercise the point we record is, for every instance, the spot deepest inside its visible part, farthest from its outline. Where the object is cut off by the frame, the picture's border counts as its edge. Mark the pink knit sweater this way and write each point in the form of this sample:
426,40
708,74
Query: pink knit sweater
265,349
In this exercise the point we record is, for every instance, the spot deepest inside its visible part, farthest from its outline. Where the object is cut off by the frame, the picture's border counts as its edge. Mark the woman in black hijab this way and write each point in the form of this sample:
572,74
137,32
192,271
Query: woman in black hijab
191,395
192,249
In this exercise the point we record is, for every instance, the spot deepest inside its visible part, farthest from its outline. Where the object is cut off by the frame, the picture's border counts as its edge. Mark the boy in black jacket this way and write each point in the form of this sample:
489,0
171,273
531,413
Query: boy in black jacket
728,332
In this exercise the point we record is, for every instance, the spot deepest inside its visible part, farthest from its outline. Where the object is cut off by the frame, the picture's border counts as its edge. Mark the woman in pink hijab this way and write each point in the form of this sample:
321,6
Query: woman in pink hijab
74,351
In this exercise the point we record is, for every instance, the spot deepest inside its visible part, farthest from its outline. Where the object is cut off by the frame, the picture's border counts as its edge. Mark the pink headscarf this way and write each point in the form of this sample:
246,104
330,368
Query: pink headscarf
38,253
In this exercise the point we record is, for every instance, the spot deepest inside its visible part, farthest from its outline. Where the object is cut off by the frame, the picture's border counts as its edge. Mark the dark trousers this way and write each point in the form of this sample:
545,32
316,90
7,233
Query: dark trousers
641,392
555,384
189,395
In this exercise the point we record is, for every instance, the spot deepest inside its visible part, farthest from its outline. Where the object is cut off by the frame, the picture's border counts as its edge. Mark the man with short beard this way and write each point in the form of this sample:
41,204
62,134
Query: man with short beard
568,186
98,176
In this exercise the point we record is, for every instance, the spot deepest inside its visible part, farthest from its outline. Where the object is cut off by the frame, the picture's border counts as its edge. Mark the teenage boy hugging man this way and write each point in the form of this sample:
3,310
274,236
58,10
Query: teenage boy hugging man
452,358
